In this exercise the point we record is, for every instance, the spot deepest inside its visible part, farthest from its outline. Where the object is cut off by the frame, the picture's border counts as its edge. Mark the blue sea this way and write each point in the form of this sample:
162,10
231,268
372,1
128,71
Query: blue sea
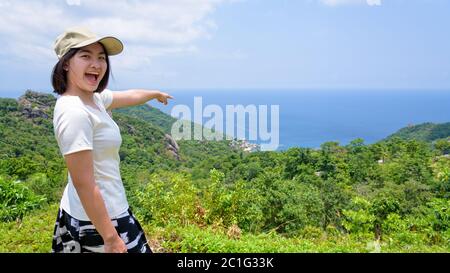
308,118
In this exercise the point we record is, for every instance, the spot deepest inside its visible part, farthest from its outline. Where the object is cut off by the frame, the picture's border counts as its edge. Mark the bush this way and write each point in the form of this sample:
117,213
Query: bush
302,206
236,204
16,200
168,198
50,187
311,233
440,214
360,219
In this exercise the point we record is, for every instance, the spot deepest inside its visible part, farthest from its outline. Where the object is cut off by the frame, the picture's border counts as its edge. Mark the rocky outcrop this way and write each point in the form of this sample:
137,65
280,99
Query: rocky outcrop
130,129
35,104
172,146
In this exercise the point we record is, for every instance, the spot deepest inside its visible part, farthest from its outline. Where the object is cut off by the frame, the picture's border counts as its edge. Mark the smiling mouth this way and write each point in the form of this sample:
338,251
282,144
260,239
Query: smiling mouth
92,77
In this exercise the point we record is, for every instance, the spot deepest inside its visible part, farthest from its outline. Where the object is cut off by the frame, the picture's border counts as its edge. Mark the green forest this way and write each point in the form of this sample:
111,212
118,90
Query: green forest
212,196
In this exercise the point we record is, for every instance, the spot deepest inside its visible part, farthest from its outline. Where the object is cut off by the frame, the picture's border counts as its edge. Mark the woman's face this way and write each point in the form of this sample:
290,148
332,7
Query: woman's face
87,68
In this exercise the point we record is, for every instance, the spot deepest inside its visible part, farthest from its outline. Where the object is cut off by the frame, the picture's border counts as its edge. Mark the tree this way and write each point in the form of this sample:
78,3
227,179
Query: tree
332,162
295,159
381,207
443,146
362,163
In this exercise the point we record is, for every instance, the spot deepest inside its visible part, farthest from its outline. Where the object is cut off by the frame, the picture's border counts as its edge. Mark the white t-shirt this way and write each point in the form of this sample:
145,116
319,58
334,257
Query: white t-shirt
79,127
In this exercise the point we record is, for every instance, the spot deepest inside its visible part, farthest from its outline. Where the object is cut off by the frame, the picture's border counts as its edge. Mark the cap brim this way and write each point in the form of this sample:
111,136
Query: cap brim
113,46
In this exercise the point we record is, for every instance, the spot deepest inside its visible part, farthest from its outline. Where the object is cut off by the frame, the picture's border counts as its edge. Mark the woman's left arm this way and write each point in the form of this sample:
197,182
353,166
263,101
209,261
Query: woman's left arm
134,97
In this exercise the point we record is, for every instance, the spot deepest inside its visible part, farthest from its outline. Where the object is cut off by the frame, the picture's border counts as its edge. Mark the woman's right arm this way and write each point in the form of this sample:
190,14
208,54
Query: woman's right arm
81,169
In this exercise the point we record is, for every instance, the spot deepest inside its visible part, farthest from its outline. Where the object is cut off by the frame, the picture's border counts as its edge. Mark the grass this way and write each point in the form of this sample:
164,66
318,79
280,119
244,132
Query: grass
34,235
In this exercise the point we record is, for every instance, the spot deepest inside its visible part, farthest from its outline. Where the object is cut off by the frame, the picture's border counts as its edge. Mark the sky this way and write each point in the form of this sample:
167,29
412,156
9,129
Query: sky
245,44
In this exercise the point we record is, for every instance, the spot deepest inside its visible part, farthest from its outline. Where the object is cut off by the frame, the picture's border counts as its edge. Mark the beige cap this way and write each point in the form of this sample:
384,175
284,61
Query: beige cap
77,37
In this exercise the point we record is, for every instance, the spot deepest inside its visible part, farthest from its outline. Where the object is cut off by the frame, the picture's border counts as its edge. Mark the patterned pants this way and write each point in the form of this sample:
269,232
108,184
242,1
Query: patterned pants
75,236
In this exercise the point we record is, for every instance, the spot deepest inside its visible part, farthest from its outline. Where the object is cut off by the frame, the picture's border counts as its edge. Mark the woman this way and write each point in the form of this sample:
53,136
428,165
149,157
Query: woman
94,215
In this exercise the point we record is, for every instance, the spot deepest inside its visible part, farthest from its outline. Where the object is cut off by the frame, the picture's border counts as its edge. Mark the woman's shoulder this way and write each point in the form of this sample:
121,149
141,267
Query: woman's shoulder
105,97
69,104
72,114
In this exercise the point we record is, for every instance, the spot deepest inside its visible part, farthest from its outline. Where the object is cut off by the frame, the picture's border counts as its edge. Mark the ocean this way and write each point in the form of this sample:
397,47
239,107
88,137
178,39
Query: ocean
308,118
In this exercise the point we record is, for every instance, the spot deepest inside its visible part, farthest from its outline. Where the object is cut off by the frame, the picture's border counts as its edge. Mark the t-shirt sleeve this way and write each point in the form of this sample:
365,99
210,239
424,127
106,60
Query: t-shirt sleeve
107,97
74,130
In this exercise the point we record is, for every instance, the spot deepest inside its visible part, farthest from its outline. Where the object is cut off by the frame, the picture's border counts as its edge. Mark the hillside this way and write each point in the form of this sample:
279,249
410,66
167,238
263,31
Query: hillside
428,132
150,114
145,130
211,196
28,145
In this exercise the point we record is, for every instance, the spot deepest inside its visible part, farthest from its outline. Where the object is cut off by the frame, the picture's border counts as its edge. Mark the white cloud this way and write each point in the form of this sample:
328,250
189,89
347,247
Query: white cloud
73,2
374,2
148,28
349,2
